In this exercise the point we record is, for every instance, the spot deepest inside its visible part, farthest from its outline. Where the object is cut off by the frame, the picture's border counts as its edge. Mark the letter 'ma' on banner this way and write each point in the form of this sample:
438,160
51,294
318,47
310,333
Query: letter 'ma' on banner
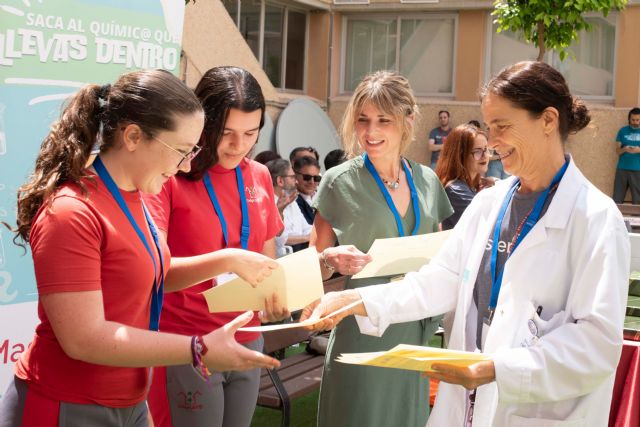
48,50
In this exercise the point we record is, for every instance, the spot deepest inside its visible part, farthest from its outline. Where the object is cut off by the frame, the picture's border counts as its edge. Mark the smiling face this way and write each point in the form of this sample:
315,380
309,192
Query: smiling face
378,133
310,185
157,158
474,166
239,136
515,135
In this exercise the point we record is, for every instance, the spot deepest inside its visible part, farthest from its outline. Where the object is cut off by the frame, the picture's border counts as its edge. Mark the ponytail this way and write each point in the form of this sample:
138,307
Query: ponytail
62,157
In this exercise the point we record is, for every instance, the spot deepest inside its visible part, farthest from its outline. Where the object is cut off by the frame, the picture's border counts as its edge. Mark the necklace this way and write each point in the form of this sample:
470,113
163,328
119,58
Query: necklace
392,185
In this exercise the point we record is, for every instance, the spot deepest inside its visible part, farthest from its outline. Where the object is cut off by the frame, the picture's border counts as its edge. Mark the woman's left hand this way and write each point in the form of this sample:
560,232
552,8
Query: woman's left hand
469,377
273,311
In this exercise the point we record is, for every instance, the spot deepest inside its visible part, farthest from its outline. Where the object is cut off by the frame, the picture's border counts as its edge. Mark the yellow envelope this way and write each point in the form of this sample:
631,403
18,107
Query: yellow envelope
413,357
400,255
297,282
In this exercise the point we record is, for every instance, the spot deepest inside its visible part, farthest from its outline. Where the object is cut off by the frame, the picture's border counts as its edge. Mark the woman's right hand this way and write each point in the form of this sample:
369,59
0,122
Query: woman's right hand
226,354
251,266
330,303
346,259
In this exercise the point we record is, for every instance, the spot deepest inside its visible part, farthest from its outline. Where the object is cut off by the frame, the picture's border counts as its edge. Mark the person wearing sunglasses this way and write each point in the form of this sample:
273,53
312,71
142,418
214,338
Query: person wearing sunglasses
224,201
461,167
101,269
307,170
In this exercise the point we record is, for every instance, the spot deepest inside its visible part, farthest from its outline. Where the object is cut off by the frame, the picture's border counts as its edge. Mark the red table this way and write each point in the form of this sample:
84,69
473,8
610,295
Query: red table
625,402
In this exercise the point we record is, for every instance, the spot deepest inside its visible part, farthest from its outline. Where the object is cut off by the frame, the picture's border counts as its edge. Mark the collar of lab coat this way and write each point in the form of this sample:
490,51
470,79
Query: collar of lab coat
558,212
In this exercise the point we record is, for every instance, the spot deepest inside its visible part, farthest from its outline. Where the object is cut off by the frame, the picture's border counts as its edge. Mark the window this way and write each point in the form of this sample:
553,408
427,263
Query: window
589,73
280,46
420,48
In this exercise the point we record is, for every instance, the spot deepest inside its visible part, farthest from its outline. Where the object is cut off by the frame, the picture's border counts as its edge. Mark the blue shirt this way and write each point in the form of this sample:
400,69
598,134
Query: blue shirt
629,136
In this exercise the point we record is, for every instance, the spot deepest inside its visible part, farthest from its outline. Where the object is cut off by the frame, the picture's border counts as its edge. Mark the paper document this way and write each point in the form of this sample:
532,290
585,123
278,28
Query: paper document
297,282
307,322
413,357
400,255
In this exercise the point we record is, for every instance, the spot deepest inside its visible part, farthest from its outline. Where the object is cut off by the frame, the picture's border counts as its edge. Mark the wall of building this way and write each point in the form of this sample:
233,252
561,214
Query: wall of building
593,148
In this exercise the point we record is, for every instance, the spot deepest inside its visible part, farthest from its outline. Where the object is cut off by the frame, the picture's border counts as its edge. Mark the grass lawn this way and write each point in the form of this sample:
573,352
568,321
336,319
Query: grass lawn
303,409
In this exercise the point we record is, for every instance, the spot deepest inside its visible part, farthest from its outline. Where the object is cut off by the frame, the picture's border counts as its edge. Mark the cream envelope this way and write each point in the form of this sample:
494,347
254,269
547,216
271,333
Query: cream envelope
297,282
400,255
412,357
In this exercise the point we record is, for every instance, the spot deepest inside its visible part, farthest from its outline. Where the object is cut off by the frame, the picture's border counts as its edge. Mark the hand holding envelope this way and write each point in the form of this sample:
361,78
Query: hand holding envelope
296,282
400,255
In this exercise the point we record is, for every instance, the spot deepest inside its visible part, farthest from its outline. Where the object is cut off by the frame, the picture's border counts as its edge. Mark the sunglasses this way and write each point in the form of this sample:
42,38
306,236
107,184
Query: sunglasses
479,153
307,177
186,157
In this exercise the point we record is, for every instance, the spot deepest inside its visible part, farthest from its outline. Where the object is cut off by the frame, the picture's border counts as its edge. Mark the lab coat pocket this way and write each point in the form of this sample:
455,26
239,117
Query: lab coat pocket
518,421
526,333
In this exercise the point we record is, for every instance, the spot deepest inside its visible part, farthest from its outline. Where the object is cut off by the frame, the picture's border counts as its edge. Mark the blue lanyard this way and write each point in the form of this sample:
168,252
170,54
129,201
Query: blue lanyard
530,221
414,195
244,228
157,292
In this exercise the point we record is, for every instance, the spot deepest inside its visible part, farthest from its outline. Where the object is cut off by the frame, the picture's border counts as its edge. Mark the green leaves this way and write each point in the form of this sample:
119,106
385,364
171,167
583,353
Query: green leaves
560,21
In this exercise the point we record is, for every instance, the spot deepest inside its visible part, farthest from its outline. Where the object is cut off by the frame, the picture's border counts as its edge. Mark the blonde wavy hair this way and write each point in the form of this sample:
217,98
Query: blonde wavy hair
391,94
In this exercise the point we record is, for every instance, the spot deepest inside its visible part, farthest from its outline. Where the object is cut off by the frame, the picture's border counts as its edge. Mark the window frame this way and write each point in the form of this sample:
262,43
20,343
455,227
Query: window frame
399,17
548,56
285,27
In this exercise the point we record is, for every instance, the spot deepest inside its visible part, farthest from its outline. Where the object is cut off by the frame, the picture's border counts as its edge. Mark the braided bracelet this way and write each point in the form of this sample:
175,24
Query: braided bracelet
199,349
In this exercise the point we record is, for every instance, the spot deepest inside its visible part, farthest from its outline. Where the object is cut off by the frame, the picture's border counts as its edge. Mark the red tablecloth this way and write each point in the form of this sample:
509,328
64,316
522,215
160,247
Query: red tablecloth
625,402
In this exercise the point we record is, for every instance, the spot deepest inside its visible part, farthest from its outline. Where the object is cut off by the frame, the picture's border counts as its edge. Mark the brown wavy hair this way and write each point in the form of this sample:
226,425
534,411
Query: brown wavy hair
455,152
152,99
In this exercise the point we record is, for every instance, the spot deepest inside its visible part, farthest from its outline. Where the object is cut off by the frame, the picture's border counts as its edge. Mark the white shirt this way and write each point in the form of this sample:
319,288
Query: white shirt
574,263
294,225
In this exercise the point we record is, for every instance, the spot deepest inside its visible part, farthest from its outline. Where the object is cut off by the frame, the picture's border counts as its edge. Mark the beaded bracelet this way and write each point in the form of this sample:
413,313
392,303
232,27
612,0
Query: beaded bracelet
199,349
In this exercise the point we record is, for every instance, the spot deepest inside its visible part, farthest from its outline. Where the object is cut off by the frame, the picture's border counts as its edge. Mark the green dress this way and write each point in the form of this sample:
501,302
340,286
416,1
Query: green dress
350,200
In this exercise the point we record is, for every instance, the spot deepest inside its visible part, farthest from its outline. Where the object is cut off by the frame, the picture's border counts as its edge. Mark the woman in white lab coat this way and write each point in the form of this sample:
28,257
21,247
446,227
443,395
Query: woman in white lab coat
547,301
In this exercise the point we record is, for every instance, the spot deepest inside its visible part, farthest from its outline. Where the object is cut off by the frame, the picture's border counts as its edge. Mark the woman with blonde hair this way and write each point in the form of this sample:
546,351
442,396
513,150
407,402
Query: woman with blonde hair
376,194
462,164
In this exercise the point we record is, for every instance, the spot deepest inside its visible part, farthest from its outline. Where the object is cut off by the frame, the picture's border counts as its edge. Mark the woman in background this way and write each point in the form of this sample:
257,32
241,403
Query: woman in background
462,165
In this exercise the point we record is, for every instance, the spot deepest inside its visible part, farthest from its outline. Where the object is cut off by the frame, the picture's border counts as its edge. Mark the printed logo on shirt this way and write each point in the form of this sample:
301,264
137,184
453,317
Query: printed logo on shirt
633,137
252,194
189,400
502,246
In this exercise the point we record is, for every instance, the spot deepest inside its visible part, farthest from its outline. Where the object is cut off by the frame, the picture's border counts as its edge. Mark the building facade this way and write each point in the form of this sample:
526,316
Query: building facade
446,48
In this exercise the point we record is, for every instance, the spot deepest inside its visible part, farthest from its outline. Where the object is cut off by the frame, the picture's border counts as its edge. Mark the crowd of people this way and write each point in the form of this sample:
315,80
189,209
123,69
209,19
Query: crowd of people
533,274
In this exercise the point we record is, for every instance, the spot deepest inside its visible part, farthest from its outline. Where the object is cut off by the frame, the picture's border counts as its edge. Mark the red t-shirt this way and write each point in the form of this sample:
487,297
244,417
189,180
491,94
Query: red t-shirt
183,210
86,243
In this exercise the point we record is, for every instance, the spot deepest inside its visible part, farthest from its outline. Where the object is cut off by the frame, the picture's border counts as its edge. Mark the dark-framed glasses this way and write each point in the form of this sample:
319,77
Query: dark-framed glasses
307,177
479,153
186,157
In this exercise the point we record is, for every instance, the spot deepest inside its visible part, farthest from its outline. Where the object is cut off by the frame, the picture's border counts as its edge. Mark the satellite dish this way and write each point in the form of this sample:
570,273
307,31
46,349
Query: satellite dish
267,137
303,124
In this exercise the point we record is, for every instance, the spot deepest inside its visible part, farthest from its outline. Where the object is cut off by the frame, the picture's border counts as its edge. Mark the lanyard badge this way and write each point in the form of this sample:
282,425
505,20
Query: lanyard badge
245,227
157,292
415,202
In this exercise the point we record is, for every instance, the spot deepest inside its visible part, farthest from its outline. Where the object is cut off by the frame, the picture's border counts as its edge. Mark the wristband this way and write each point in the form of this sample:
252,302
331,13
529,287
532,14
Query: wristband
199,349
328,267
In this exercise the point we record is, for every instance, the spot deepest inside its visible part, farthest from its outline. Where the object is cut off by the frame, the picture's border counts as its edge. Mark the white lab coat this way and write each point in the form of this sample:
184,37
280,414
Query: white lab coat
574,263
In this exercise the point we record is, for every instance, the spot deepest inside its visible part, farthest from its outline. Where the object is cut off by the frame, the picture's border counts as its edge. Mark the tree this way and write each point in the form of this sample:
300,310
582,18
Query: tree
550,24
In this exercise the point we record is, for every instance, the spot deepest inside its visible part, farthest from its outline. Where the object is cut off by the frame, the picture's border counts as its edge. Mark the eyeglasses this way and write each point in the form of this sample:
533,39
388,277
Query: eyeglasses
185,157
307,177
479,153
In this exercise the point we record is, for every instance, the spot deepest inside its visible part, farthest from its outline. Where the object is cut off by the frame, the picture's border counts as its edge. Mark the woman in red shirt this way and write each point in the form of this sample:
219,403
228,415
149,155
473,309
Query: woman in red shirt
100,265
226,200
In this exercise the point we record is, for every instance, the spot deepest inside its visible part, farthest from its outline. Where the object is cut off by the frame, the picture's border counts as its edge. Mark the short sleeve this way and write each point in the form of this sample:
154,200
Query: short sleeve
327,200
66,247
432,134
620,136
160,204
